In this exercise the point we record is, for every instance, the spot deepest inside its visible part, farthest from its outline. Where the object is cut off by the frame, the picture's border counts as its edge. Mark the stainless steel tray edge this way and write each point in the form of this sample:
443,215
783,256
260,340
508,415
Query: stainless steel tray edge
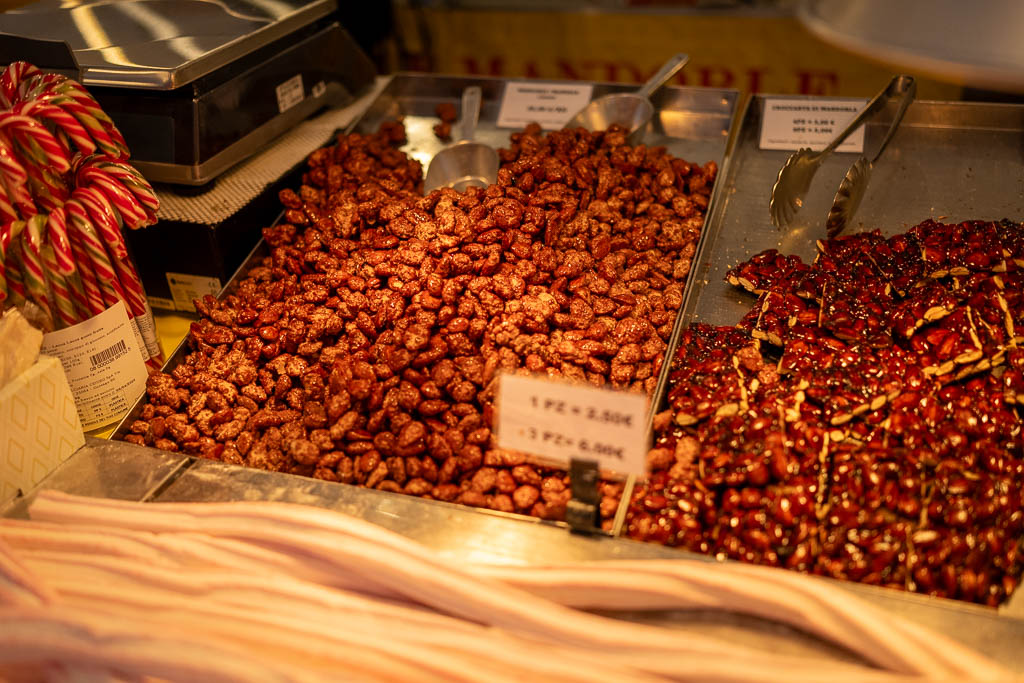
716,206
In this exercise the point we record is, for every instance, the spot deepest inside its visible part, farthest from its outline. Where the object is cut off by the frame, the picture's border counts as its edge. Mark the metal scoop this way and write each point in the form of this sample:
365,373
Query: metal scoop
631,110
855,182
466,163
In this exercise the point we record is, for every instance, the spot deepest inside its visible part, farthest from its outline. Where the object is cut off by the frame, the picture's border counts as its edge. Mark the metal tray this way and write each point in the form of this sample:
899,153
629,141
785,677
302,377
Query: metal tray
692,123
949,161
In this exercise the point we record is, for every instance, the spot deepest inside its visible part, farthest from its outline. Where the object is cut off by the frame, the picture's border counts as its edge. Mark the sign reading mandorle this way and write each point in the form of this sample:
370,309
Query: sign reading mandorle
549,104
558,421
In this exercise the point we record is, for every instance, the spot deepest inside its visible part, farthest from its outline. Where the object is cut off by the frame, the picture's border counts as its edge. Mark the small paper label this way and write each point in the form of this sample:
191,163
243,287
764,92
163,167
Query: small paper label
161,302
290,93
791,124
103,363
549,104
185,288
558,421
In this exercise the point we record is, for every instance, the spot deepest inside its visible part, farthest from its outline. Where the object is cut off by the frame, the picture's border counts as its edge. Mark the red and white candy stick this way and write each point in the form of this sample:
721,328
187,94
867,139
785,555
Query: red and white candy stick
15,280
39,85
110,139
36,286
57,232
63,120
92,246
10,167
117,195
7,210
35,134
128,176
18,201
53,281
11,81
104,218
8,232
94,301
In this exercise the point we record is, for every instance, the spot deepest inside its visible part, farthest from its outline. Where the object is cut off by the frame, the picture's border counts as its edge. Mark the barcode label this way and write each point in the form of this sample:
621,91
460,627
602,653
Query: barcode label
115,351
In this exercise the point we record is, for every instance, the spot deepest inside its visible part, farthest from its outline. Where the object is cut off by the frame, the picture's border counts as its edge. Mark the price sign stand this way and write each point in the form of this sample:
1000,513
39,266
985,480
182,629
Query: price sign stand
582,513
592,429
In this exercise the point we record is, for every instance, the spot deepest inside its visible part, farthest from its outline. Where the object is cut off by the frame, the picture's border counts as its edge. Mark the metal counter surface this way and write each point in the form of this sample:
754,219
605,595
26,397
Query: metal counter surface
107,469
124,471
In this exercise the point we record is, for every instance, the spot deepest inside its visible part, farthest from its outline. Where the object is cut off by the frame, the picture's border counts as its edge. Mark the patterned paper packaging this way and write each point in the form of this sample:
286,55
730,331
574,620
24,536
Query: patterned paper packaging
39,426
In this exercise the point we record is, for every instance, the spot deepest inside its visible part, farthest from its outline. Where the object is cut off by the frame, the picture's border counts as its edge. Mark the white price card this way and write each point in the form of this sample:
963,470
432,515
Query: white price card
794,123
558,421
549,104
103,363
185,288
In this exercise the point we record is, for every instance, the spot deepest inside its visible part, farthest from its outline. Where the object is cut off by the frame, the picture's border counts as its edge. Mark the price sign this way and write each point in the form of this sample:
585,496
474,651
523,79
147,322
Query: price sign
549,104
791,124
558,421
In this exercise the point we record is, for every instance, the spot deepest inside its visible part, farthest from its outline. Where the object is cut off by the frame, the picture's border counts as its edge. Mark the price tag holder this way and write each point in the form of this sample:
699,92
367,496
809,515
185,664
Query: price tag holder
789,124
559,421
549,104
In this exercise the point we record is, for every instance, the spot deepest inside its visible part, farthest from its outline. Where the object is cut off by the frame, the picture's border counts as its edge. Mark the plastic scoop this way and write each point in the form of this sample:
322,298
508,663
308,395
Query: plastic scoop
631,110
466,163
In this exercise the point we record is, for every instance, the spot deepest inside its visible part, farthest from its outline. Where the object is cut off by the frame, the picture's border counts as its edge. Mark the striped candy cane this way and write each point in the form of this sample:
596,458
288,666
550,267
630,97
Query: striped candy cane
7,210
135,183
132,213
10,166
49,110
54,154
57,232
8,232
104,218
39,86
92,246
17,200
34,275
94,300
11,80
119,149
15,280
52,280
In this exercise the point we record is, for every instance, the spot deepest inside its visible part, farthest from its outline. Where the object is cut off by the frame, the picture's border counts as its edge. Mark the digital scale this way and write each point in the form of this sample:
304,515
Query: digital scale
195,86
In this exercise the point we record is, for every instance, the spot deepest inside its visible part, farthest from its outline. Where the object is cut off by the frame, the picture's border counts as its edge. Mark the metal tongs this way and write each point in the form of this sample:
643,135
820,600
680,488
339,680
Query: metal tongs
796,175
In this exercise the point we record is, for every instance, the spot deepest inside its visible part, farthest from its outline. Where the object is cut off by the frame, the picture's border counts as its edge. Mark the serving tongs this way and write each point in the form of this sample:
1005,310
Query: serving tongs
796,175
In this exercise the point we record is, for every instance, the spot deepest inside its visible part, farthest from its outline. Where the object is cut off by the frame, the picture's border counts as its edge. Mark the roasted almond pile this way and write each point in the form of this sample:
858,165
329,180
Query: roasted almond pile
365,348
